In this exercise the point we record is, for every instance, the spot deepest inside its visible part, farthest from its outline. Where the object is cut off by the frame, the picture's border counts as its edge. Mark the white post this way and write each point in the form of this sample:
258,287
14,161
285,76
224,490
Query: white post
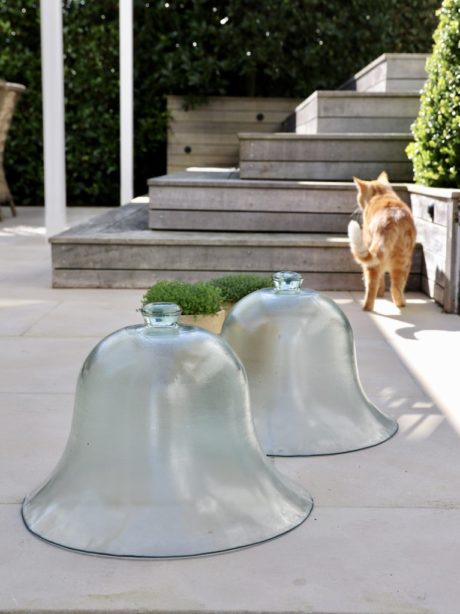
53,115
126,101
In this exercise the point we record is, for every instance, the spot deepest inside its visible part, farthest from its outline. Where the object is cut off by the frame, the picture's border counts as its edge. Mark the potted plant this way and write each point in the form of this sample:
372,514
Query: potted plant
234,287
435,154
201,303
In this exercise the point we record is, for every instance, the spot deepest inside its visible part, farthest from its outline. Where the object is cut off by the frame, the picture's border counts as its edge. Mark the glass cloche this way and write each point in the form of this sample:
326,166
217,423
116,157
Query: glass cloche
298,350
162,458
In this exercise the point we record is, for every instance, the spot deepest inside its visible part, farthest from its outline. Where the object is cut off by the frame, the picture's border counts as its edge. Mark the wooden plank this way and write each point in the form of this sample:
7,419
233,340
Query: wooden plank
224,128
202,257
344,125
433,267
240,102
248,221
203,149
322,149
307,200
433,237
106,278
432,289
324,171
187,160
452,266
423,205
369,106
405,85
203,138
409,67
204,115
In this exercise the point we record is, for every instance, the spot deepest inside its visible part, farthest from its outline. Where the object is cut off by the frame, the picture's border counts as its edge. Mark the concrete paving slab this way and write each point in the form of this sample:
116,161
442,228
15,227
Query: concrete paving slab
32,437
88,319
340,561
36,365
17,315
382,539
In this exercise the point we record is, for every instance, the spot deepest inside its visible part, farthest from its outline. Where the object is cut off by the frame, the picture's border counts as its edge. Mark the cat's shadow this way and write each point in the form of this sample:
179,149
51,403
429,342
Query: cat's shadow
416,310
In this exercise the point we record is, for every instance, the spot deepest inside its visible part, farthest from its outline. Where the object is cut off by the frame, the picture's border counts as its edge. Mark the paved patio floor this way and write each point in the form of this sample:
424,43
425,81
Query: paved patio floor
384,536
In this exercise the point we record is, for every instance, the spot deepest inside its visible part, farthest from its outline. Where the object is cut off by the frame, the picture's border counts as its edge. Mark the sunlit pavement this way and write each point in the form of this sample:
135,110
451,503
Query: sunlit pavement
384,535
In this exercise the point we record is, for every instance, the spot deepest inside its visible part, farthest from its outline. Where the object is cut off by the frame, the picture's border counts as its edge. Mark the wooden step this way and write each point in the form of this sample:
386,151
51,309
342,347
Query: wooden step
325,157
221,201
117,250
357,112
206,135
391,72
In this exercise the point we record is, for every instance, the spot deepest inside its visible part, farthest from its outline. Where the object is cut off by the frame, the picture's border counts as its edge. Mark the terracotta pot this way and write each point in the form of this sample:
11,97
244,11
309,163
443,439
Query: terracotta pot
213,323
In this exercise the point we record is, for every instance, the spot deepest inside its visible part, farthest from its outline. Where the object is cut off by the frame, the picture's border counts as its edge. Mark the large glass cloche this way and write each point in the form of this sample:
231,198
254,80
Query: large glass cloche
298,350
162,458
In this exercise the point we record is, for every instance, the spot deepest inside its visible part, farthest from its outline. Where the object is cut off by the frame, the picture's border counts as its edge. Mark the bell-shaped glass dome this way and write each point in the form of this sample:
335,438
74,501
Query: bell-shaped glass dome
298,350
162,458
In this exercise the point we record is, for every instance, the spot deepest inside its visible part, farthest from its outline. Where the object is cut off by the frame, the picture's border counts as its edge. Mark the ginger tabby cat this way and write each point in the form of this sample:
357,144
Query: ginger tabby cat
386,241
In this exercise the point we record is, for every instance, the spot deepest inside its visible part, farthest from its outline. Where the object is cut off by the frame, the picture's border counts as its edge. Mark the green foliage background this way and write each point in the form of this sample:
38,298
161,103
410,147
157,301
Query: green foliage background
435,152
192,47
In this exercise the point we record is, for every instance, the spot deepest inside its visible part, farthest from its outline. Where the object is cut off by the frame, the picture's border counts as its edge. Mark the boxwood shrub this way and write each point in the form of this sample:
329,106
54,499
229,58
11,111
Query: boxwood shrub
435,152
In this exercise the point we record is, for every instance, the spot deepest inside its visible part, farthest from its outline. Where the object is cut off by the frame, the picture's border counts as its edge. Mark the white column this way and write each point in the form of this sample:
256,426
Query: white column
53,115
126,101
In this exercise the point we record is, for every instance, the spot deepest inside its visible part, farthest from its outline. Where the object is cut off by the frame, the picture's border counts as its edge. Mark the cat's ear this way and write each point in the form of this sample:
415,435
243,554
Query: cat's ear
362,191
360,184
383,177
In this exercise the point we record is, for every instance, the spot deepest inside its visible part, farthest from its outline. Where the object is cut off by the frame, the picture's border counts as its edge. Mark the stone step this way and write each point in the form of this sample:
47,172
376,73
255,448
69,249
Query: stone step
325,157
221,201
391,72
117,250
357,112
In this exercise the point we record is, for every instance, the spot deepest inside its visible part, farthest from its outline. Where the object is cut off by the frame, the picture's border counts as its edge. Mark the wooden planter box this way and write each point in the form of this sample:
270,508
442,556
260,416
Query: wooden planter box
206,136
436,214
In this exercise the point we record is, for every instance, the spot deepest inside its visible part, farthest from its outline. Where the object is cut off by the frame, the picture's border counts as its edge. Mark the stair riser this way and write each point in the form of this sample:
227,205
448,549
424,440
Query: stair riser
391,73
231,196
311,149
255,208
248,221
135,279
325,171
368,125
332,112
323,158
117,250
207,257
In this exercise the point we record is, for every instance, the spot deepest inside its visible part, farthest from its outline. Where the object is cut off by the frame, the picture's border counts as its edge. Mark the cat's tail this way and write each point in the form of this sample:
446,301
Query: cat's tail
359,249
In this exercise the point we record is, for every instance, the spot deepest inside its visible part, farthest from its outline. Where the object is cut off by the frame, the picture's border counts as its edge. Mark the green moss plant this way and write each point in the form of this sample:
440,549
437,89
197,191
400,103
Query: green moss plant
435,152
194,299
235,287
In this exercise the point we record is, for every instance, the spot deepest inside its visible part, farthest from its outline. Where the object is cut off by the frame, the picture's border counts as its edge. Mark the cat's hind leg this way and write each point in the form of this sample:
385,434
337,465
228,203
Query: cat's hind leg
372,276
398,276
381,290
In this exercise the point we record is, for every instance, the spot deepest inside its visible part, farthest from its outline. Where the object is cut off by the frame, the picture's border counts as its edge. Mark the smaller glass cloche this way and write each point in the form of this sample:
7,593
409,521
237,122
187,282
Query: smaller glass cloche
298,350
162,458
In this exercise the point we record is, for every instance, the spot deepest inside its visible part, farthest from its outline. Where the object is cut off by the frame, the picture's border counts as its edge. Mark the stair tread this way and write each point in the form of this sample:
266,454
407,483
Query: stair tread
102,229
231,179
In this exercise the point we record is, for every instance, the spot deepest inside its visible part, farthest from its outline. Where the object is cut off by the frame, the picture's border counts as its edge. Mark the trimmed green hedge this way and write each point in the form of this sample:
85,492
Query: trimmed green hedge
190,47
435,152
